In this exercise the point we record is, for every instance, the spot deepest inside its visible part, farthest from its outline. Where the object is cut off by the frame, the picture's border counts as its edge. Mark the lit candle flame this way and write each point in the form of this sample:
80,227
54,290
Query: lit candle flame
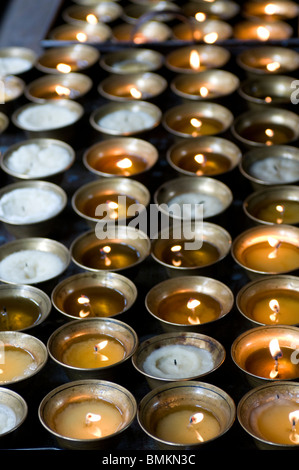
177,250
270,9
263,33
112,209
135,93
280,209
81,37
92,417
268,99
276,353
210,38
200,16
62,90
124,163
269,132
91,18
273,66
195,122
203,91
274,306
294,418
194,60
200,158
63,68
104,251
195,419
193,303
98,347
84,300
274,243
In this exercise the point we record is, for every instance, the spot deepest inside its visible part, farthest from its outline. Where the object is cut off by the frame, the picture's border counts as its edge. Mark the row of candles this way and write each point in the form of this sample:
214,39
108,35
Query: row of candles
263,247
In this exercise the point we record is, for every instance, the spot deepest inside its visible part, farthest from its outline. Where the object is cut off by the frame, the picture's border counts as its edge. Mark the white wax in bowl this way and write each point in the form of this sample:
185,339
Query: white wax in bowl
8,419
126,121
193,205
46,116
13,65
29,205
38,161
30,266
276,170
178,361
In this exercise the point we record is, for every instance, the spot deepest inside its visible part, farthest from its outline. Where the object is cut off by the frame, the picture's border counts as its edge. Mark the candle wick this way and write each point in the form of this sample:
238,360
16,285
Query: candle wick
175,362
95,349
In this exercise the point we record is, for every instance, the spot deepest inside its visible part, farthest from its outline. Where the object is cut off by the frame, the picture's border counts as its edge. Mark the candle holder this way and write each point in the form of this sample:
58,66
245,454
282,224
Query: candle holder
209,31
31,208
267,60
17,60
23,357
88,295
4,122
274,205
115,398
127,249
198,253
126,118
254,30
14,409
36,119
32,159
142,86
151,31
209,85
219,156
166,358
23,307
83,33
270,301
110,200
200,302
123,156
39,261
197,119
257,363
266,250
131,60
197,58
190,198
201,10
13,89
253,415
164,402
94,348
270,166
267,91
72,86
274,10
273,126
66,59
105,12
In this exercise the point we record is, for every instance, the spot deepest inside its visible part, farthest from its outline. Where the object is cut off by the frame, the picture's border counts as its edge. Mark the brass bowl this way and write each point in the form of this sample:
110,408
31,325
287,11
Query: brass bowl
249,294
206,145
27,59
34,296
141,86
64,336
36,244
156,403
211,56
83,33
151,31
253,402
16,407
104,12
152,345
193,191
262,31
48,174
268,60
33,346
266,119
55,130
257,166
219,119
131,60
66,59
256,339
111,281
222,10
119,234
267,91
207,85
41,224
209,31
119,146
276,10
273,194
90,389
108,110
201,284
50,87
122,187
